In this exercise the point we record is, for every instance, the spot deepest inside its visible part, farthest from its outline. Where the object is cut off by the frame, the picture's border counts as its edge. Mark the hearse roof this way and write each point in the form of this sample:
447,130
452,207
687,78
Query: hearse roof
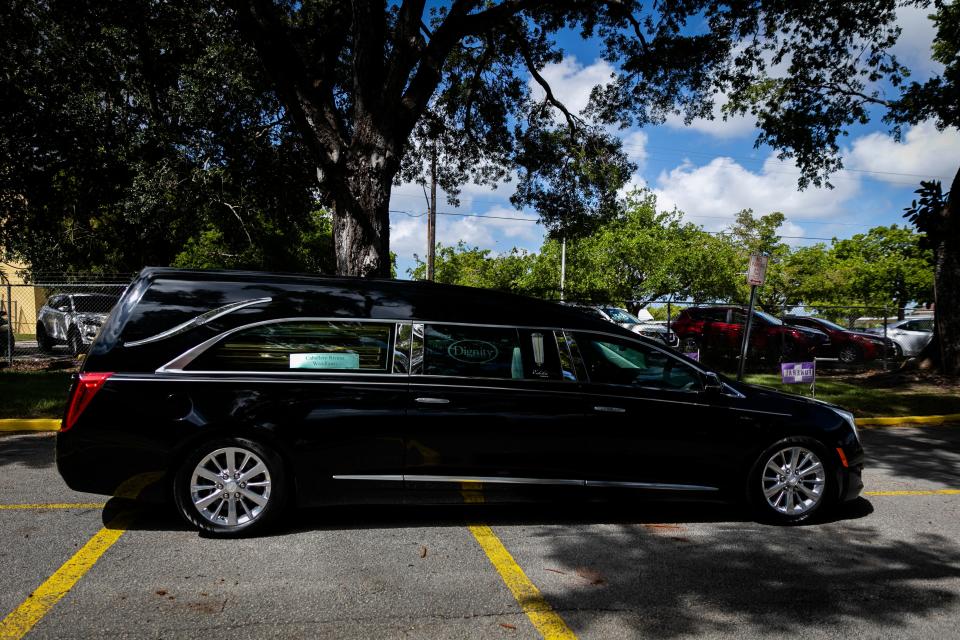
370,297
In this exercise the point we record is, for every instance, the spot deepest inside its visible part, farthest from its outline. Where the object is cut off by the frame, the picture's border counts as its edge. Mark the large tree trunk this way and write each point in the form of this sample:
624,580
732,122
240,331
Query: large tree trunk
361,222
946,278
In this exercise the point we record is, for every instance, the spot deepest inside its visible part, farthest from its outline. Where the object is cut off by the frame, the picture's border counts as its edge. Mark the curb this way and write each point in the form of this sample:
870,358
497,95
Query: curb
908,420
30,424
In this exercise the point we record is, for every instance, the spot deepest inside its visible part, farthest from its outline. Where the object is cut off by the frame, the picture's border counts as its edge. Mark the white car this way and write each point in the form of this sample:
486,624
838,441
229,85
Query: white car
72,319
909,335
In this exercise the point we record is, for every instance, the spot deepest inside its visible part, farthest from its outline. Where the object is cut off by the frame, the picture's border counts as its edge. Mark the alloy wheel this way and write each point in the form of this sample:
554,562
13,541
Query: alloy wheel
849,354
230,487
793,481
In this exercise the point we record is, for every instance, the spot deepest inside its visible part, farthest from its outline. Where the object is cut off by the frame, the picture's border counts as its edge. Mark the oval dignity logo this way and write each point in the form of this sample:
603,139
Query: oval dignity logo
472,351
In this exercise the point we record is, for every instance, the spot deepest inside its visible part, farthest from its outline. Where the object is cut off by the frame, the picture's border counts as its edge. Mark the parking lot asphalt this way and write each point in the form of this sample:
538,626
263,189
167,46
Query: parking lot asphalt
887,565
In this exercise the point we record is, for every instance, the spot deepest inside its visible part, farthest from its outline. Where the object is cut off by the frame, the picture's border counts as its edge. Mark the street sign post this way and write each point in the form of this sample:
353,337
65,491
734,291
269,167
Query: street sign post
756,275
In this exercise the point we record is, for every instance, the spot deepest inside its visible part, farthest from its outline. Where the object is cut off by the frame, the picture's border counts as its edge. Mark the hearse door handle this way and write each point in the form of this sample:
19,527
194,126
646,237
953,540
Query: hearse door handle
603,409
433,401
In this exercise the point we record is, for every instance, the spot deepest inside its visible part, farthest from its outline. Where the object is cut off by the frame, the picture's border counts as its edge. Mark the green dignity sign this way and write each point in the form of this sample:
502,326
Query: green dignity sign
472,351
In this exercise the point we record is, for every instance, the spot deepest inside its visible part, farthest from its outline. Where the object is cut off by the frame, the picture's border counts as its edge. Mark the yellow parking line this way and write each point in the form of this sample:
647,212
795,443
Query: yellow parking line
19,622
55,505
550,625
930,492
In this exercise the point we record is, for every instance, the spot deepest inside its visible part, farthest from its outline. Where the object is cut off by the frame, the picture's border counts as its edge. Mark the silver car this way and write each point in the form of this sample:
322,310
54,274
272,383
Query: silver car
910,335
72,319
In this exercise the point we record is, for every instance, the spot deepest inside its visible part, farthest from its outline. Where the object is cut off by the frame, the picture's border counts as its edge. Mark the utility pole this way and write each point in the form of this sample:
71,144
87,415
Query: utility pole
563,266
432,215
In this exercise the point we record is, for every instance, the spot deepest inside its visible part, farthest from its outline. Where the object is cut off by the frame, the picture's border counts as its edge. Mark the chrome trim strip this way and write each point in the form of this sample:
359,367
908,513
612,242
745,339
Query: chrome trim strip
571,389
205,376
494,480
649,485
385,478
200,320
767,413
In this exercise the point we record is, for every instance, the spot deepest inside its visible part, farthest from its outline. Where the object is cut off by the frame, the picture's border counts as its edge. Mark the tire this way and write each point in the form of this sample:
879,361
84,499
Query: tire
74,343
850,354
256,497
791,482
44,343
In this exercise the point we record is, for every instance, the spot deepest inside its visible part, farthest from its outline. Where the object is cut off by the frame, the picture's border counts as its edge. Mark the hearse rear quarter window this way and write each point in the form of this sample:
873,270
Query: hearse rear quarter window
301,346
475,352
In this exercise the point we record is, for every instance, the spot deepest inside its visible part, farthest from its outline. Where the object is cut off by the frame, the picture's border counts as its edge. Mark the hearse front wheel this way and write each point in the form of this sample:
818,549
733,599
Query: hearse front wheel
791,481
230,487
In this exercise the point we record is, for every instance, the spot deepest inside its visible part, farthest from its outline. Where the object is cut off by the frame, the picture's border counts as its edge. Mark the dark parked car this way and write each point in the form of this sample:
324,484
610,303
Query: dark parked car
719,329
72,319
846,345
252,391
7,340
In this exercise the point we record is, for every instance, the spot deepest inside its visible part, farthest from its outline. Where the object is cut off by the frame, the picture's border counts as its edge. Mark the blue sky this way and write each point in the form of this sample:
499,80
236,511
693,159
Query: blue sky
710,169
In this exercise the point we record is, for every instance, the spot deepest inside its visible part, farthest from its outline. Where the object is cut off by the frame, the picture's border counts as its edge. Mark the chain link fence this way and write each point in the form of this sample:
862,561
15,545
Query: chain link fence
53,317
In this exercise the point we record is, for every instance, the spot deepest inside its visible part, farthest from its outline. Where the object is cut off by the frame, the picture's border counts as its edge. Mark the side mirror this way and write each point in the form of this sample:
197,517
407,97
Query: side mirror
712,383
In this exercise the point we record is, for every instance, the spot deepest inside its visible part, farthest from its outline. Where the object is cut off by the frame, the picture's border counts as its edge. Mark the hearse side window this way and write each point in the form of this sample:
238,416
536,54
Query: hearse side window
614,361
301,346
474,352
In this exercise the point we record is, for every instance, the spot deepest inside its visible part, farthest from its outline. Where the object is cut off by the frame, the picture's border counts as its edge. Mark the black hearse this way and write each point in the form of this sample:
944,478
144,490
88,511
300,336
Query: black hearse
254,390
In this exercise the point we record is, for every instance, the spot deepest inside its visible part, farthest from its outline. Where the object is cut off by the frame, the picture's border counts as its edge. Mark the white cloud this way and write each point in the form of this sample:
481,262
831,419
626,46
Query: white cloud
732,127
635,146
500,230
923,153
916,38
408,235
571,82
712,194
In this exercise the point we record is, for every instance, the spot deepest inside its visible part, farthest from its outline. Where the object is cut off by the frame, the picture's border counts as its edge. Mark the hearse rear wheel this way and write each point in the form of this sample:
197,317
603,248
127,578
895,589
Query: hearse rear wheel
230,487
791,481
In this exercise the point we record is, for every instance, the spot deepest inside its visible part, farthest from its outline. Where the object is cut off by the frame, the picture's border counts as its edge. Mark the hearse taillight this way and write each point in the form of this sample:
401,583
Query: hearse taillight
87,386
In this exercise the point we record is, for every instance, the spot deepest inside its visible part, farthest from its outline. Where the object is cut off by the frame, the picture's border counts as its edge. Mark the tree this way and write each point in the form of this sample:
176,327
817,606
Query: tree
142,134
638,256
803,112
885,268
374,88
642,255
751,235
938,213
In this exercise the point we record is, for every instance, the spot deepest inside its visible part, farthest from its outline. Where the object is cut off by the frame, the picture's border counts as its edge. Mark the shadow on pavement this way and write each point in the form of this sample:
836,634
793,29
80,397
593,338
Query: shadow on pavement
672,583
34,450
928,453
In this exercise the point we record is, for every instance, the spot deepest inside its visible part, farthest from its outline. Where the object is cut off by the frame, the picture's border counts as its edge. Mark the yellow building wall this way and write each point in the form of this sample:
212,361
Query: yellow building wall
26,299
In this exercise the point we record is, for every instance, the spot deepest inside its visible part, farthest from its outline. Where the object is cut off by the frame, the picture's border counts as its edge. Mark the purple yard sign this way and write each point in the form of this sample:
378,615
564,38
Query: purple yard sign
693,355
797,372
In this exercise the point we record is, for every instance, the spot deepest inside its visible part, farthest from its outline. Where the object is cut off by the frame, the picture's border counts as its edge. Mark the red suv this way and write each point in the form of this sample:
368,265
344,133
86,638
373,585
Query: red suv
719,330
